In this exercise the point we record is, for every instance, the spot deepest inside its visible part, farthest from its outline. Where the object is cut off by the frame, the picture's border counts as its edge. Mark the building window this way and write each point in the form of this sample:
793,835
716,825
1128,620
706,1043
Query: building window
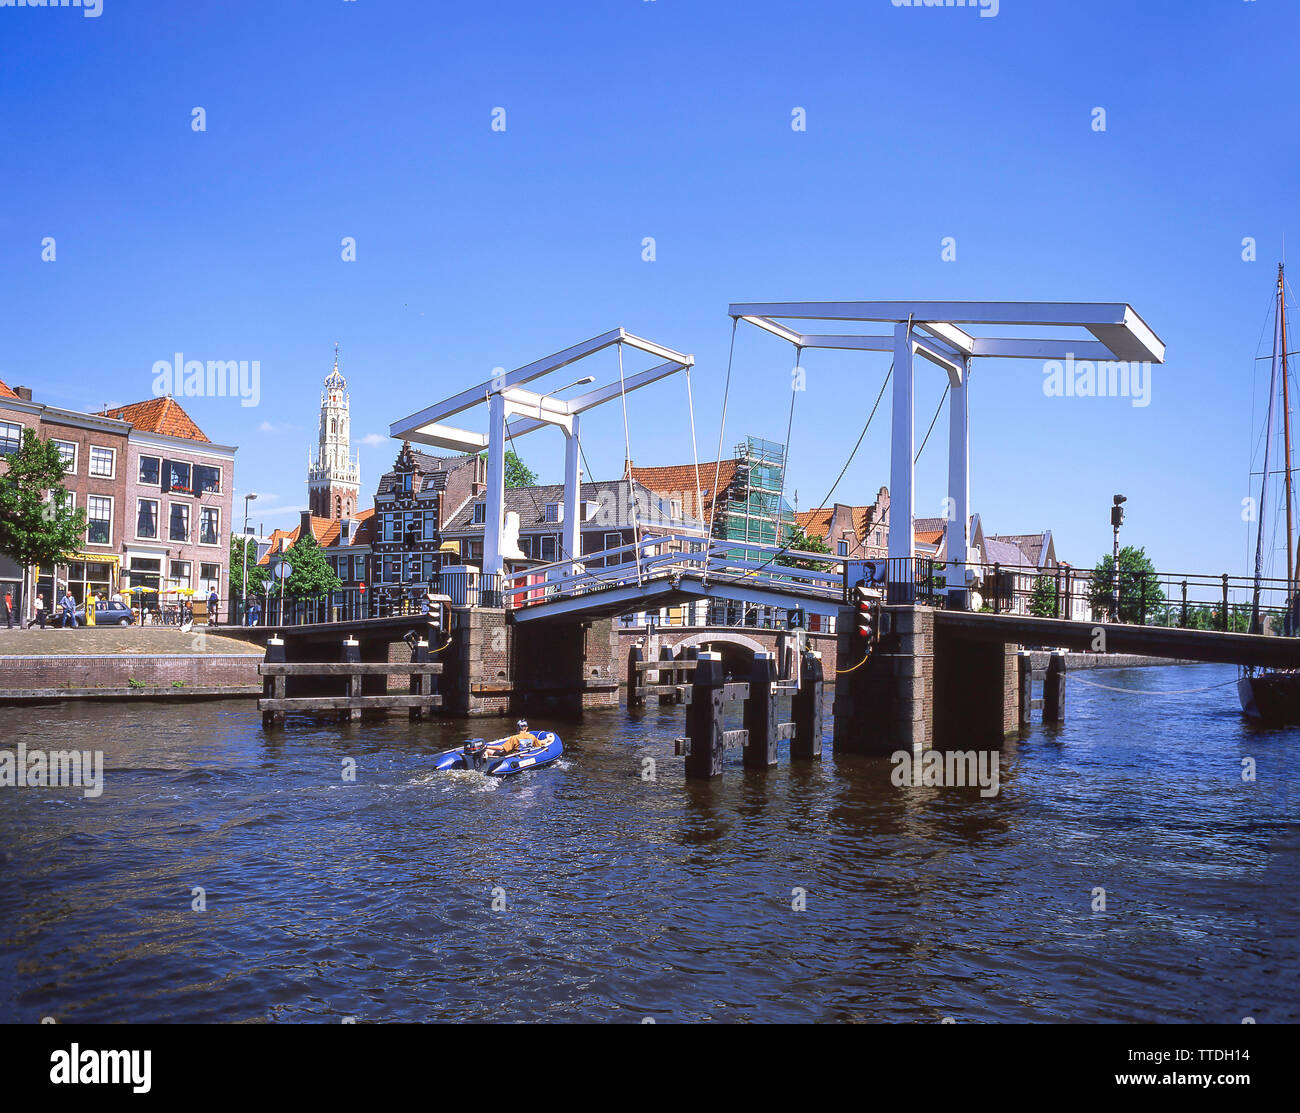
150,471
180,573
877,538
146,519
209,526
841,548
179,527
614,541
554,512
11,437
144,572
407,482
103,462
675,508
210,578
430,525
480,513
99,520
176,477
548,549
207,480
68,454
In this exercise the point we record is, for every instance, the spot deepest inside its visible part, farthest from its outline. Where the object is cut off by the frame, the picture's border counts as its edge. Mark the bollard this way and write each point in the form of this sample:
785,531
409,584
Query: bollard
760,713
1054,689
273,687
1026,665
419,684
352,656
809,709
704,718
667,675
635,678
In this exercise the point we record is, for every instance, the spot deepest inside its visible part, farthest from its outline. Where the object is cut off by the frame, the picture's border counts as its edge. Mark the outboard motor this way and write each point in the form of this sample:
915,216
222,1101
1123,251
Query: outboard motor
473,752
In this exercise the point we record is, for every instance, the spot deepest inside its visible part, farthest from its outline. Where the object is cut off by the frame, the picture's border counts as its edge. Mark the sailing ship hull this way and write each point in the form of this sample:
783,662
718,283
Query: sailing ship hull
1271,698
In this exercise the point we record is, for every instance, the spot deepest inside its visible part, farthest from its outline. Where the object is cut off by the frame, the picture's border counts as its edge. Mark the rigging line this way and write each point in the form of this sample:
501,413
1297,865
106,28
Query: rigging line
932,421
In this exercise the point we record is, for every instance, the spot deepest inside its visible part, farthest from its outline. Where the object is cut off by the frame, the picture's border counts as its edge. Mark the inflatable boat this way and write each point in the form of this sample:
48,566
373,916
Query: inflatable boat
471,756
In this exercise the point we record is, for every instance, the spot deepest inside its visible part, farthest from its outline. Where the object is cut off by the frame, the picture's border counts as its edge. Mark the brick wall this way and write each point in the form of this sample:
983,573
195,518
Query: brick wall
199,670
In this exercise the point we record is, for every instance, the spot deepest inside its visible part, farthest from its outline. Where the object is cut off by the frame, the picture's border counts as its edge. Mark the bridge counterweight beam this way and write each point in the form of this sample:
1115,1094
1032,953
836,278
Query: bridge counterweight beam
493,563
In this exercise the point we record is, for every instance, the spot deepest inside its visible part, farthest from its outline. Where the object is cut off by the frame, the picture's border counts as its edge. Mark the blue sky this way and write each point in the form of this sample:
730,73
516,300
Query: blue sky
633,118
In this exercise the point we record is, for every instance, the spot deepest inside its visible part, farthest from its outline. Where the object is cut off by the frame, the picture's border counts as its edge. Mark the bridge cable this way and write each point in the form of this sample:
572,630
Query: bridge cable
1153,692
934,419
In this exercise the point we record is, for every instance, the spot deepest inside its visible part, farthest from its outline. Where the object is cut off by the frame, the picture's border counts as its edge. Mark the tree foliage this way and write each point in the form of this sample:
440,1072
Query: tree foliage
1139,586
37,522
257,573
800,542
312,575
1043,602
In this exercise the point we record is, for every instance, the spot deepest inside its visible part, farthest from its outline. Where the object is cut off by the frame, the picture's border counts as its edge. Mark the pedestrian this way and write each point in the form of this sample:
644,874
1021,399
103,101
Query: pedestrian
117,598
9,610
68,606
39,616
255,614
213,603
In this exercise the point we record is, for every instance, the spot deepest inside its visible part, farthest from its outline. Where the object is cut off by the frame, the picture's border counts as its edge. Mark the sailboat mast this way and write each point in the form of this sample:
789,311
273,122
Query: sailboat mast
1292,546
1263,483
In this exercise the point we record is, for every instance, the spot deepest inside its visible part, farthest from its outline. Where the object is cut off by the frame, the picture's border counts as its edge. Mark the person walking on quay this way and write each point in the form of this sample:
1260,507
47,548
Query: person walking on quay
39,615
68,607
255,614
9,610
213,603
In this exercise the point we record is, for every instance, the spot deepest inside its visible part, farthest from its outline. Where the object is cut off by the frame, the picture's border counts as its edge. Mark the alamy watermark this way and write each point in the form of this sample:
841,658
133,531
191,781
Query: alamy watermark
1087,378
218,378
987,8
26,768
91,9
953,769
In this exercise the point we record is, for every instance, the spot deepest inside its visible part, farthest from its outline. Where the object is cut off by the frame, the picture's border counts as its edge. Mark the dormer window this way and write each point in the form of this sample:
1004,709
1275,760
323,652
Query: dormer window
480,513
590,509
675,507
407,479
554,512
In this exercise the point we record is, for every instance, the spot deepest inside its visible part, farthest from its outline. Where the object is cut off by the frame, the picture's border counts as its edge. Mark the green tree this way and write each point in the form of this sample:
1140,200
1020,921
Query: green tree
257,573
37,523
800,542
312,575
518,474
1043,601
1139,586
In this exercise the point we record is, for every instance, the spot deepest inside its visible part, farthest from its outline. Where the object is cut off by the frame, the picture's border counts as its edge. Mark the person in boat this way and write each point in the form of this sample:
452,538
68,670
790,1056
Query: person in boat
522,738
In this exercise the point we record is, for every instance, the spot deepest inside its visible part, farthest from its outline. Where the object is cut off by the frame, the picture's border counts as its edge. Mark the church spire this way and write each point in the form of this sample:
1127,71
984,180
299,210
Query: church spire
334,478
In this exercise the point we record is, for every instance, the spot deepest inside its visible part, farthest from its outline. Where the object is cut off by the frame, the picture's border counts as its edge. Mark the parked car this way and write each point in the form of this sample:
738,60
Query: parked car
107,614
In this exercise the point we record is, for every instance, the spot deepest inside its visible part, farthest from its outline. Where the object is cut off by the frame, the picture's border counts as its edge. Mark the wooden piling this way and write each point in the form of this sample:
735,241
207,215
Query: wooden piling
704,720
1054,690
1025,662
352,656
635,677
760,713
809,709
421,683
667,676
273,687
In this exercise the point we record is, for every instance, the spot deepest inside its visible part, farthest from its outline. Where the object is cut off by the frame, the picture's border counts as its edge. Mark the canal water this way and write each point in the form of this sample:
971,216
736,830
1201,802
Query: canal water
587,891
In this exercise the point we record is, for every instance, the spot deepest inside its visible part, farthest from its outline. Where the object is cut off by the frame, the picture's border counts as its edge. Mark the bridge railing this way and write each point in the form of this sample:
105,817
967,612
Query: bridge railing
663,557
1174,599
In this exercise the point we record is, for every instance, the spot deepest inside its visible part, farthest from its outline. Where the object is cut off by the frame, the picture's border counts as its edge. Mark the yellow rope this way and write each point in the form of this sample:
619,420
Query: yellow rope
845,672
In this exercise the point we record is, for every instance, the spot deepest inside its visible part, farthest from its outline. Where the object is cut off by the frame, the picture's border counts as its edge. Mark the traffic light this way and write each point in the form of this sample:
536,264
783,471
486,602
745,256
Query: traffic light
1117,511
865,618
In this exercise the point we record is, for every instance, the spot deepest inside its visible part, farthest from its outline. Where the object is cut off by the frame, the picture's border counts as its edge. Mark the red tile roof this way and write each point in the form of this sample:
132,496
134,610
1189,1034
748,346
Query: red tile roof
679,479
5,392
159,415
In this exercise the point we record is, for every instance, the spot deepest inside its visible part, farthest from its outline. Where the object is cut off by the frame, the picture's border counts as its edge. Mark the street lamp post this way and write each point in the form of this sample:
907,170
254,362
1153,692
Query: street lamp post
1116,520
243,564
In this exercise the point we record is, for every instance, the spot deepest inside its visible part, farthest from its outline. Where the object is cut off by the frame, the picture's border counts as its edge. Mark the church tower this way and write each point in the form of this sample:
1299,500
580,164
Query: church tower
334,478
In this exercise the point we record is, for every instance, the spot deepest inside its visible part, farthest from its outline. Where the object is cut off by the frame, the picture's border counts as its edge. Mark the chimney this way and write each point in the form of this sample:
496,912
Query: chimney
24,392
304,525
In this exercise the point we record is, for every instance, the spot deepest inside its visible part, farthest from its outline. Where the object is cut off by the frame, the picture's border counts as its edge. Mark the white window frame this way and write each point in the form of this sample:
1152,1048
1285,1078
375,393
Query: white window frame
214,510
89,500
13,425
157,520
112,459
842,547
189,523
146,456
76,449
189,575
480,513
554,513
